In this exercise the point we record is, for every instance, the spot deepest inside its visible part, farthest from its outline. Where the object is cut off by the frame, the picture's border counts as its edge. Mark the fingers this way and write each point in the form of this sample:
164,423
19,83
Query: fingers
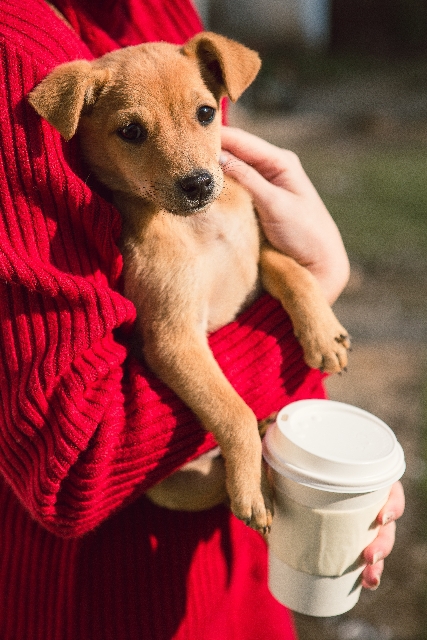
379,549
394,506
371,576
278,166
261,190
253,150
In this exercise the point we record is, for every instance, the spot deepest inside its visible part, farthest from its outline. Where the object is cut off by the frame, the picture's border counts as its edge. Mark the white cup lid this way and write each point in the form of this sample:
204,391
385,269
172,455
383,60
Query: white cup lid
333,446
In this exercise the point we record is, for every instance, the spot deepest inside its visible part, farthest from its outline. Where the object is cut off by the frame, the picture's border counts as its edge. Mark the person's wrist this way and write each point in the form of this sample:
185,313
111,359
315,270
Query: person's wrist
332,277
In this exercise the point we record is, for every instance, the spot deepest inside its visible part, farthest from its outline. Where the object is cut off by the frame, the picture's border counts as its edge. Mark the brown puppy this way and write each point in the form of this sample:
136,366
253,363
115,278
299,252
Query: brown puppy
148,119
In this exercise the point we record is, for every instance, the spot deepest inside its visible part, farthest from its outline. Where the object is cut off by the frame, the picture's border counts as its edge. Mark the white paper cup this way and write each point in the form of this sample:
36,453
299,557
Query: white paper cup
332,467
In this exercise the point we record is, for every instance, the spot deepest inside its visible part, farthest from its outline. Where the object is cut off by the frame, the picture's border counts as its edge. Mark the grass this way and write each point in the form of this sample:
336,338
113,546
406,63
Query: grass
374,185
378,197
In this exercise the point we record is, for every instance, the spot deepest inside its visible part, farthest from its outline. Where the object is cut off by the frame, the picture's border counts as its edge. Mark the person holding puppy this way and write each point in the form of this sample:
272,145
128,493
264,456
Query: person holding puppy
86,430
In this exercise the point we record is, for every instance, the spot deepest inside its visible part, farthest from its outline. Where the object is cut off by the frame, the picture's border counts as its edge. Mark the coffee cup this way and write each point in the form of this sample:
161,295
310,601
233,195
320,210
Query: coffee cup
332,466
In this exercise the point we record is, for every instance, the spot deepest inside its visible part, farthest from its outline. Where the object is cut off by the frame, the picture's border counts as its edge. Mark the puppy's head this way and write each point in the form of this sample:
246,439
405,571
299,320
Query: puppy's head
148,117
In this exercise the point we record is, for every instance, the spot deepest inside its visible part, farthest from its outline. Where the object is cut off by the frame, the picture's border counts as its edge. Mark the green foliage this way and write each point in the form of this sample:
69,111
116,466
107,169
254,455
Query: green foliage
378,197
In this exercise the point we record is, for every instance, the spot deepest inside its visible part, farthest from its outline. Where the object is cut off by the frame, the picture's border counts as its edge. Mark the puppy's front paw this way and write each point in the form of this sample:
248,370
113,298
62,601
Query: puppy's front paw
325,344
252,504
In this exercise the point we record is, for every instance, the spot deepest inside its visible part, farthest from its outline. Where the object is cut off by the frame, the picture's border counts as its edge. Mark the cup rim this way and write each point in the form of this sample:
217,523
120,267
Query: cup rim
341,476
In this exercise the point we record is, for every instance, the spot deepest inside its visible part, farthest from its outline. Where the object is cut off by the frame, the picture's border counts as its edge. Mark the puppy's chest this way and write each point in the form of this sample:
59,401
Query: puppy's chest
231,267
206,265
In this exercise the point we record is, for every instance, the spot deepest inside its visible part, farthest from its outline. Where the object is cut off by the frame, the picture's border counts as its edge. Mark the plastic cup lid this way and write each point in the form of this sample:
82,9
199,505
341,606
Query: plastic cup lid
333,446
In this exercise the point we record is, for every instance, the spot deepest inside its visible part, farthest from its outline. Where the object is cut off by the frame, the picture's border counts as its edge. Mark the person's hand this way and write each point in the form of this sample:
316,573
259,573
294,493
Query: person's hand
292,214
381,547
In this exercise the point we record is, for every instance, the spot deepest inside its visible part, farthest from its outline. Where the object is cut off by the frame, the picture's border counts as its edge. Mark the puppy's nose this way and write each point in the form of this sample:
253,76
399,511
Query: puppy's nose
197,185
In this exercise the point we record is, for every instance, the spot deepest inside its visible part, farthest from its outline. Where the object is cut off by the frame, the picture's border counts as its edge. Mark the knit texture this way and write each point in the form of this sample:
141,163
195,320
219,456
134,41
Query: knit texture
85,429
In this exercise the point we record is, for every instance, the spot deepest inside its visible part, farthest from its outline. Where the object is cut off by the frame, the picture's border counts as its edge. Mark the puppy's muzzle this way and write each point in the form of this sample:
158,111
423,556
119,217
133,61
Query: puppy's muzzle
197,188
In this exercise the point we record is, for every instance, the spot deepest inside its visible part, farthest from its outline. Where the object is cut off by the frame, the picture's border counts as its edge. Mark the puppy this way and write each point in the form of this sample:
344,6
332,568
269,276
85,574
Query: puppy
148,120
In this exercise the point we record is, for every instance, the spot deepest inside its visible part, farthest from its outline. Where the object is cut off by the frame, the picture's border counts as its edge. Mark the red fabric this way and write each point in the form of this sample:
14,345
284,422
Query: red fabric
84,428
105,25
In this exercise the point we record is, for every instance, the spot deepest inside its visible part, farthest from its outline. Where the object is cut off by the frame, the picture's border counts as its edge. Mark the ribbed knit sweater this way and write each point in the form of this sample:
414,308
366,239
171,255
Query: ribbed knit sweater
85,429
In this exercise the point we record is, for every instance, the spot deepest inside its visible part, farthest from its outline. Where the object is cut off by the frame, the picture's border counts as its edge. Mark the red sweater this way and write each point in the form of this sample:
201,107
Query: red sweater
84,428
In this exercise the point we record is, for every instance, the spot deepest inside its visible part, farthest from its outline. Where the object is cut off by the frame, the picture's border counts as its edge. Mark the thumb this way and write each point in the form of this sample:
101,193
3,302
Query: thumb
260,189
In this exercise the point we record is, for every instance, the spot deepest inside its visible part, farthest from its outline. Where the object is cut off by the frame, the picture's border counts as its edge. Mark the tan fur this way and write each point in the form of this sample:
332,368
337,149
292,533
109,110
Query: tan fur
180,254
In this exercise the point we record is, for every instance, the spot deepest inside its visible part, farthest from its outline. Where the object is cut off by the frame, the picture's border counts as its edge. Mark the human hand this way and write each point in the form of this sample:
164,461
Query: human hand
292,214
381,547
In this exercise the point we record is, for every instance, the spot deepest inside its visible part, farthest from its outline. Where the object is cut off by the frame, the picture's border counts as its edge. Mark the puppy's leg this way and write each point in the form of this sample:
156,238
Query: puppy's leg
197,486
323,339
181,357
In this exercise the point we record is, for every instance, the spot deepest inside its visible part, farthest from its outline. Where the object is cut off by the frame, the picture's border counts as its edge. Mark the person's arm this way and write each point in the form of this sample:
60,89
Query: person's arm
296,221
291,212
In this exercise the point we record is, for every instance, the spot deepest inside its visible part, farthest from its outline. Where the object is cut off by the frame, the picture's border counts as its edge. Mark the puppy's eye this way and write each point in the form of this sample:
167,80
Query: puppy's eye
205,114
133,133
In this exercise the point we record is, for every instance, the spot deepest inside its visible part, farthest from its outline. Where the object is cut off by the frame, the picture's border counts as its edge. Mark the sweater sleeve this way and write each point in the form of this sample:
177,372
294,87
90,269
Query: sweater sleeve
84,427
77,436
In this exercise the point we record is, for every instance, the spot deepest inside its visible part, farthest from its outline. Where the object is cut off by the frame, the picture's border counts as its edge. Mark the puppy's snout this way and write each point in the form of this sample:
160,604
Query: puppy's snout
197,186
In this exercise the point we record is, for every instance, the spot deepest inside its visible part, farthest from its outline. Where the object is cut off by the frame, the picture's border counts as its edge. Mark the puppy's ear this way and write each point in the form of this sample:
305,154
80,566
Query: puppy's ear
66,92
227,67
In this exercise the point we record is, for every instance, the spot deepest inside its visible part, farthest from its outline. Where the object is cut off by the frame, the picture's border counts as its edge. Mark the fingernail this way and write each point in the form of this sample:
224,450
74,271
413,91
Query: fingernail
375,585
377,557
387,517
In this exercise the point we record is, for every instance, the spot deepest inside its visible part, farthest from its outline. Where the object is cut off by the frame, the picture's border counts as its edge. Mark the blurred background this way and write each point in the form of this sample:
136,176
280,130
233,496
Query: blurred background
344,84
